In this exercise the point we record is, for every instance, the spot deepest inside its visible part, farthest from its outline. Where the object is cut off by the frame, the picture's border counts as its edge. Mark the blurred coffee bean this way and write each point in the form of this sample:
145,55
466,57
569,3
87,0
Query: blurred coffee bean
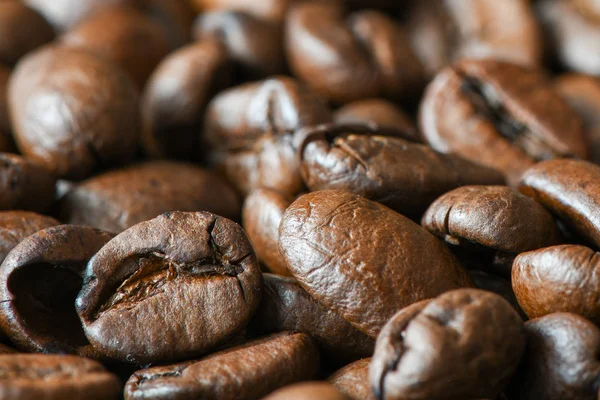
175,16
253,133
582,92
379,112
39,281
464,344
254,45
286,306
118,199
249,371
272,10
176,96
560,361
22,30
363,260
171,288
500,115
404,176
73,112
17,225
6,140
55,377
307,391
347,58
353,380
570,189
493,219
261,215
123,35
24,184
6,350
443,32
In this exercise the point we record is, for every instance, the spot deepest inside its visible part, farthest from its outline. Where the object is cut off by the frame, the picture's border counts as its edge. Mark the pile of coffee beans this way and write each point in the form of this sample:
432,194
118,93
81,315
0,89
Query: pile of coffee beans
299,199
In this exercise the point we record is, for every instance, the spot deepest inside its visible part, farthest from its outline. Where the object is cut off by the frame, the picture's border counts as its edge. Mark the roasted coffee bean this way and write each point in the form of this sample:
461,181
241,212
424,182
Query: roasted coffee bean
404,176
22,30
39,281
134,41
443,32
500,286
363,260
6,140
17,225
54,377
307,391
249,371
286,306
500,115
272,10
24,184
574,27
261,215
379,112
176,96
570,189
73,112
560,361
170,288
253,132
6,350
582,92
492,219
353,380
175,16
464,344
560,278
348,58
116,200
254,44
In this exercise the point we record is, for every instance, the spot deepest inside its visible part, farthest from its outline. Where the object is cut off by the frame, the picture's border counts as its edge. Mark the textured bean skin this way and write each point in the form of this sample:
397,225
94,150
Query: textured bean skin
558,279
560,361
231,374
353,380
363,260
192,278
570,189
464,344
17,225
307,391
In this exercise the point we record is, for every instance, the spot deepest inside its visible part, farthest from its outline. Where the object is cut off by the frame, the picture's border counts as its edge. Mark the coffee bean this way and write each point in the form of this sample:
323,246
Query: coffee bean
560,361
464,344
500,286
17,225
500,115
39,280
22,30
560,278
116,200
348,58
261,215
495,219
175,16
249,371
6,350
176,96
134,41
254,44
404,176
570,190
286,306
443,32
170,288
6,141
271,10
24,184
574,31
379,112
363,260
353,380
582,92
53,377
253,132
73,112
307,391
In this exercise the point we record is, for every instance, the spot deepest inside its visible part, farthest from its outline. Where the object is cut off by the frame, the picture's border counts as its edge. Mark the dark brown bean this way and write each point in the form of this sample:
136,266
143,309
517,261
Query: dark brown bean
307,391
17,225
353,380
272,10
6,140
63,14
249,371
500,286
363,260
170,288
